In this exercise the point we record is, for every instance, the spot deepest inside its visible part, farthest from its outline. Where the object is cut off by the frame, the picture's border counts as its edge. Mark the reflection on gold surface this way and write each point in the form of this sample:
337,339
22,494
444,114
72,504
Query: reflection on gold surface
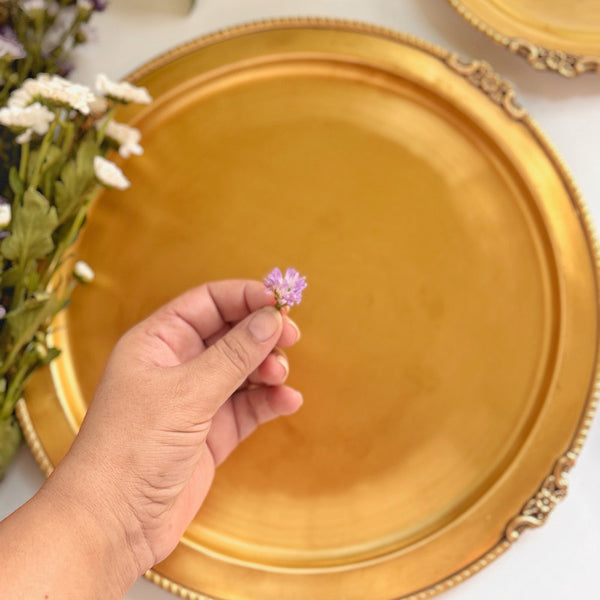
449,331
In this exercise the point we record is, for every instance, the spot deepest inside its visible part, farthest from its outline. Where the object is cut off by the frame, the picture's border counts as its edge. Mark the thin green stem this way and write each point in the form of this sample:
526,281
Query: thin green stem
41,157
64,243
24,161
14,390
66,35
69,134
110,113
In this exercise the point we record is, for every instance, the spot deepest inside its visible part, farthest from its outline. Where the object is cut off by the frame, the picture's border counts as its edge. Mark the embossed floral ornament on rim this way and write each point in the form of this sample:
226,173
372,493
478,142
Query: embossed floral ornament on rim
539,56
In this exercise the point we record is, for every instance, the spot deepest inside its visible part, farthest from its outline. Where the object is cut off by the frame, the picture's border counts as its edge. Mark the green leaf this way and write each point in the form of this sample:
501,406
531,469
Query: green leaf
32,280
51,169
52,354
15,182
25,320
76,178
32,228
87,151
12,276
10,440
63,199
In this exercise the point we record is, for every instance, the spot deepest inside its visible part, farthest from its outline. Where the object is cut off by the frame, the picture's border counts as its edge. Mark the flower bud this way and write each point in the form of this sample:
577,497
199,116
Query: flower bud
83,272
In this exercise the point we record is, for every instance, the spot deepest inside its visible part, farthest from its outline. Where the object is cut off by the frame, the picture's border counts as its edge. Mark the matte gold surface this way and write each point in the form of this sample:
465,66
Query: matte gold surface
559,36
449,328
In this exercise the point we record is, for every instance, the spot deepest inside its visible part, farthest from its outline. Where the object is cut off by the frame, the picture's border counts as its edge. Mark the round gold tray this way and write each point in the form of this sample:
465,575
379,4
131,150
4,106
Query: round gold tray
450,327
554,35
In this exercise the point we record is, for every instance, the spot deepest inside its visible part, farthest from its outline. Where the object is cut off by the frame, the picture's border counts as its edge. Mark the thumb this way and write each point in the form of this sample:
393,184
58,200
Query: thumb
219,371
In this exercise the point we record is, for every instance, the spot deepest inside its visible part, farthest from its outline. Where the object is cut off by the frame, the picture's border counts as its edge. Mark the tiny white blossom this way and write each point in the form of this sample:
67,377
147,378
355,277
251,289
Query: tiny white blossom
110,174
5,214
25,137
83,272
99,105
126,136
53,89
85,5
31,6
34,118
122,91
19,98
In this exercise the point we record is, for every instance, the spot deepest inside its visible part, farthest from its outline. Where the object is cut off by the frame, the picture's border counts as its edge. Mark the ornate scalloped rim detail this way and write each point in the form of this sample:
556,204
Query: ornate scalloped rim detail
580,436
536,511
32,439
540,58
483,76
563,63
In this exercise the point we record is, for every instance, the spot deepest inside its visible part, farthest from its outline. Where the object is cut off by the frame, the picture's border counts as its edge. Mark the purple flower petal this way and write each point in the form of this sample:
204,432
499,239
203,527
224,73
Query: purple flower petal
10,45
287,288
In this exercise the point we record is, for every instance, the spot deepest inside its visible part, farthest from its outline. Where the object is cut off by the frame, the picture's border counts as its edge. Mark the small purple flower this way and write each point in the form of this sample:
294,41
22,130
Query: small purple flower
65,67
287,288
9,44
100,5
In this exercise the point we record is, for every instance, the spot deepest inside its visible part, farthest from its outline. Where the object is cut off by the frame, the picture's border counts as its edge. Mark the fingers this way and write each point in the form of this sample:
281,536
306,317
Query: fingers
218,371
272,371
290,333
183,325
248,409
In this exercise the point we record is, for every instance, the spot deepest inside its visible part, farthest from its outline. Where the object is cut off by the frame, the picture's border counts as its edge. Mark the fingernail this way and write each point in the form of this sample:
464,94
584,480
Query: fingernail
264,323
282,360
296,328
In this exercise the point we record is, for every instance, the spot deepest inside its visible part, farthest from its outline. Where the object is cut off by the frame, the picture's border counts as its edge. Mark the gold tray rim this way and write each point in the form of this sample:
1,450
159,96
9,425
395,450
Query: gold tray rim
555,60
478,73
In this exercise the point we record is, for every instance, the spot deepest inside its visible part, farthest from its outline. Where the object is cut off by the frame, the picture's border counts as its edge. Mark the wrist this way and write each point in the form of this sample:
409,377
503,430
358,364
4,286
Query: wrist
105,537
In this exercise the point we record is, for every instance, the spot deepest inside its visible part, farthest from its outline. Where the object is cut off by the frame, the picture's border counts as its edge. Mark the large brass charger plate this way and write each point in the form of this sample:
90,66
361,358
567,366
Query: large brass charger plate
555,35
449,328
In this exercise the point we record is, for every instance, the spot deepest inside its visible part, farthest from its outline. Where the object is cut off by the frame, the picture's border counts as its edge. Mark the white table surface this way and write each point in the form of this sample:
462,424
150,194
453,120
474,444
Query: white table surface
559,560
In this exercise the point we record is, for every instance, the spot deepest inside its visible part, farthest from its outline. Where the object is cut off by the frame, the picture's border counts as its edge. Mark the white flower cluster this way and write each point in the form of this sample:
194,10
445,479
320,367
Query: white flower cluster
28,120
122,91
54,91
26,115
126,136
110,174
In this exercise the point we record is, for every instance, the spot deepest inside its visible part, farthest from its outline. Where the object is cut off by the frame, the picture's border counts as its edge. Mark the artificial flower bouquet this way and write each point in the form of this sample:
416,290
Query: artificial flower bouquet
55,135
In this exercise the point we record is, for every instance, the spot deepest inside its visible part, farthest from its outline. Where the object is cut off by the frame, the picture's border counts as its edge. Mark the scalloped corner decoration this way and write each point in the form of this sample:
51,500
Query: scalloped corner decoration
563,63
552,491
482,75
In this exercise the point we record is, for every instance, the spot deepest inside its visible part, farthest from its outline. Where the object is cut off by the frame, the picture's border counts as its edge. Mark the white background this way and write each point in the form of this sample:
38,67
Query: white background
559,560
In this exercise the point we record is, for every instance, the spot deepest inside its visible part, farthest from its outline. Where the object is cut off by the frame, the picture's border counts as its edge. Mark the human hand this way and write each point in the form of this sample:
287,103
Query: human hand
180,391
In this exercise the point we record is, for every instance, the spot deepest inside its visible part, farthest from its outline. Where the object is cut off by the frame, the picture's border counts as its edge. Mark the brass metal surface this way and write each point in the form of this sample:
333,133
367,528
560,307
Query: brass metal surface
554,35
450,327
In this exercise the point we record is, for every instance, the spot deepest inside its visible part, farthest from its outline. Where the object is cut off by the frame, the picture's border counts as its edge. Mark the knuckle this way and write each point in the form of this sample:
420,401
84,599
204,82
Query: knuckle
236,355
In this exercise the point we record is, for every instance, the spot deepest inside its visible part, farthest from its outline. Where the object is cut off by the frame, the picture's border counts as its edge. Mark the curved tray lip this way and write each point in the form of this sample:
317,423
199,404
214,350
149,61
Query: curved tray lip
555,482
566,63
